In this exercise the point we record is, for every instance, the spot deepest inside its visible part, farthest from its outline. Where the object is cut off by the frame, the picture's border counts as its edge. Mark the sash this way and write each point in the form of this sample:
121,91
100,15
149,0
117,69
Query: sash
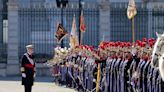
29,59
29,66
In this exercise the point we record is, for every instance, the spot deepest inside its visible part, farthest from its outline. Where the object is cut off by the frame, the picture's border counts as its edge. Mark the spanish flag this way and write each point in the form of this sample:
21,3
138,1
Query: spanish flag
82,24
60,33
131,10
73,37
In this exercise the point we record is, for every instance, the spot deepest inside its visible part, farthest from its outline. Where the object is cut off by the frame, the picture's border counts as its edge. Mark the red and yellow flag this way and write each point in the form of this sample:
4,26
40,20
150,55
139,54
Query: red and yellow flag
82,24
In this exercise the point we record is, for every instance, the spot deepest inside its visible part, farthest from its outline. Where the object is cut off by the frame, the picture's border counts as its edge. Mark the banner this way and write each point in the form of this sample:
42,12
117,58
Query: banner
73,37
131,10
82,24
60,33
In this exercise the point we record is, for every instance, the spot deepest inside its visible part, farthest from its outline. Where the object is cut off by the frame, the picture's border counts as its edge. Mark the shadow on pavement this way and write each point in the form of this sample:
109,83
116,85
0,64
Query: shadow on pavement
37,79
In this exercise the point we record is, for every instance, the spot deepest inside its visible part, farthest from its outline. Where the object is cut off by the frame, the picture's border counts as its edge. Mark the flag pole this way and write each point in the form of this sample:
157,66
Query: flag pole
80,10
131,12
133,32
98,78
81,38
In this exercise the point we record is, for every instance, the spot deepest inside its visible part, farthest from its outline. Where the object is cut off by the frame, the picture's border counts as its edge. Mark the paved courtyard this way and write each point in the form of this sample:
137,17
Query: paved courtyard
42,84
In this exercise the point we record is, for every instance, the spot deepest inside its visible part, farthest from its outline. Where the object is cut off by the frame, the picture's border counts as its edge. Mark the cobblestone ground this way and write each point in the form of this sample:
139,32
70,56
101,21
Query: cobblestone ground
41,85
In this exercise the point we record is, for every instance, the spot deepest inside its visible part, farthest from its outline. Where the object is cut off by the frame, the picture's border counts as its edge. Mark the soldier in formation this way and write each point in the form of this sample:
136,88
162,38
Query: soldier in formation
125,67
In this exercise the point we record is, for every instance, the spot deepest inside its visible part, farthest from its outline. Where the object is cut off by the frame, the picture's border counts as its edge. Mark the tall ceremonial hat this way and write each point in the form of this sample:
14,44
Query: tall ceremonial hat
30,46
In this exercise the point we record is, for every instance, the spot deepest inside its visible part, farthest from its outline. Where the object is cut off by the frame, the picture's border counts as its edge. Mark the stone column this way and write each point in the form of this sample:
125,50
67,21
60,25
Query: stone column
104,29
12,57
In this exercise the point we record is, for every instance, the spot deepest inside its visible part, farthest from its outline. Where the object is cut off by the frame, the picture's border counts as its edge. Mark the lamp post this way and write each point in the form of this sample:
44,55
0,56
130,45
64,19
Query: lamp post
4,9
62,42
62,4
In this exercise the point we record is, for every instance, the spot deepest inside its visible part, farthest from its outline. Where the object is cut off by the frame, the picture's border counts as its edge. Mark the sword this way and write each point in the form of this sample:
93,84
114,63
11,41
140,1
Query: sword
72,77
81,82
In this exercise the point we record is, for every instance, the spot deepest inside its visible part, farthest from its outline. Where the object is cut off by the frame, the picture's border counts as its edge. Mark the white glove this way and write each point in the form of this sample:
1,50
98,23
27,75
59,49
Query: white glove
34,75
23,75
94,80
134,51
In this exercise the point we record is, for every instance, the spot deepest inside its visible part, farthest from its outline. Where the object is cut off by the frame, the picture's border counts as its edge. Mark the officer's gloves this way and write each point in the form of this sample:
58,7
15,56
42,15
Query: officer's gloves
23,75
94,80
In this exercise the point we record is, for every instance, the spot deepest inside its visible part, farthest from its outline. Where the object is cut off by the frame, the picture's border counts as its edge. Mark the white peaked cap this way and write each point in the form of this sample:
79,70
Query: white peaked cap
29,46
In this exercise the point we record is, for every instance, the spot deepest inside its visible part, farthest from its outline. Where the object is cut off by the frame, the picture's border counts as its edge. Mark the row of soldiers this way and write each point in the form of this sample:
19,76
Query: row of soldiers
124,68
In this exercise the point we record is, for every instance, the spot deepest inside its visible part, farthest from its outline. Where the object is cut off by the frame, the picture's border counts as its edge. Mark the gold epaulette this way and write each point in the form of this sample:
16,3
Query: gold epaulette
22,69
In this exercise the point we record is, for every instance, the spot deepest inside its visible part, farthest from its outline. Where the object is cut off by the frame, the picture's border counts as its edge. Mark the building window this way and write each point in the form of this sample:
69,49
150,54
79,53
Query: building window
5,31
